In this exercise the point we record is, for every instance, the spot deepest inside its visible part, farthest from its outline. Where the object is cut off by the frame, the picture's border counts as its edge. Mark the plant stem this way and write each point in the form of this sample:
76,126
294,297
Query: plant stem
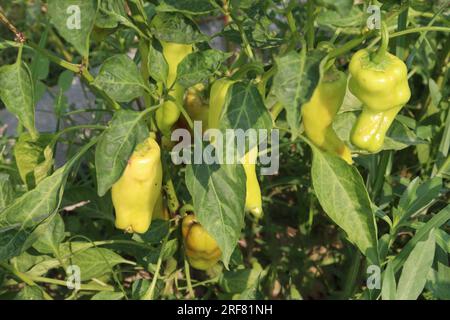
88,287
401,25
25,278
384,44
310,25
348,46
418,29
151,290
187,271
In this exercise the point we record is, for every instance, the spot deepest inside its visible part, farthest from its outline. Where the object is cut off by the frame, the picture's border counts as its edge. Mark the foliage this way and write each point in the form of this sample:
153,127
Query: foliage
375,229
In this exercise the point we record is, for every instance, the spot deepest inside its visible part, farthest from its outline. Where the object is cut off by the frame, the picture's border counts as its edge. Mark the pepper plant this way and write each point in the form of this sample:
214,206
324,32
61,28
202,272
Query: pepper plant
351,94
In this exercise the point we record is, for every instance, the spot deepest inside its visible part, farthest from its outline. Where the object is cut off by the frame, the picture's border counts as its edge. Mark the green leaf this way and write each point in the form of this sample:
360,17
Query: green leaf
192,7
416,269
96,262
439,282
17,93
158,230
294,83
400,137
108,12
218,194
74,20
6,191
343,196
107,295
34,158
238,281
176,28
169,249
87,203
51,234
417,197
157,64
120,78
65,80
18,220
388,291
244,109
117,143
199,66
30,293
355,18
434,223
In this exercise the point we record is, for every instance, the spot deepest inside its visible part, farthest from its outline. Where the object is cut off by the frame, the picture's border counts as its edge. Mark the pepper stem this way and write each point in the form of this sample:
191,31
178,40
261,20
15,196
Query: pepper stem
378,57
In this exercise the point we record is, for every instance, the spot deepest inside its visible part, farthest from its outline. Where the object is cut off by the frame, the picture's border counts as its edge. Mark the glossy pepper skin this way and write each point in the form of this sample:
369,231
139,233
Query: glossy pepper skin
201,249
218,94
318,114
253,200
136,193
383,89
195,106
168,114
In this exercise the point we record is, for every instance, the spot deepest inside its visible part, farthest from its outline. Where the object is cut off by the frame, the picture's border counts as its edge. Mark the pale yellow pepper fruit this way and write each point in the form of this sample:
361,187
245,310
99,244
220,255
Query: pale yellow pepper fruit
135,194
168,114
253,200
201,249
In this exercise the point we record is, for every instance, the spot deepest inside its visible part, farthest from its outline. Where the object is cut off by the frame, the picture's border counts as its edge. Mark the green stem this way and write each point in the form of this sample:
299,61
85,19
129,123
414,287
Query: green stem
276,110
87,287
417,30
379,56
310,25
25,278
187,270
401,25
151,290
55,59
348,46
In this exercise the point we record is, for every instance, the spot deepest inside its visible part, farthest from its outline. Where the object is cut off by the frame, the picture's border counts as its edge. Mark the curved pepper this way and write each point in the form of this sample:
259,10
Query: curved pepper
201,249
135,194
168,114
383,89
318,114
253,200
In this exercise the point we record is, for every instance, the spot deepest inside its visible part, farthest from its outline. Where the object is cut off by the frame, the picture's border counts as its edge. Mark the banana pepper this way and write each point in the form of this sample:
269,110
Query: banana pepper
136,193
253,200
318,114
201,249
168,114
383,89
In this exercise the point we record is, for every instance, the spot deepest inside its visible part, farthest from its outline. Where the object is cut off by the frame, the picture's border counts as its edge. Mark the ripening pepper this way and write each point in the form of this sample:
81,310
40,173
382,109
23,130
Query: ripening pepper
383,89
196,107
318,114
253,200
201,249
136,193
168,114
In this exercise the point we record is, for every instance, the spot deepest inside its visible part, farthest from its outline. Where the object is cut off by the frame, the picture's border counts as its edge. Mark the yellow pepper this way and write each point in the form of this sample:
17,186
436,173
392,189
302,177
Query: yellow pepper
318,114
201,249
383,89
135,194
168,114
253,202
